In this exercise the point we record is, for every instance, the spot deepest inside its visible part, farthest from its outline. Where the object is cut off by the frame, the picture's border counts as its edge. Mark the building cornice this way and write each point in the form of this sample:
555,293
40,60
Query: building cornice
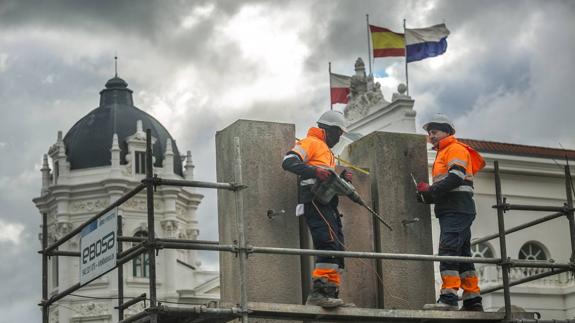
520,165
394,106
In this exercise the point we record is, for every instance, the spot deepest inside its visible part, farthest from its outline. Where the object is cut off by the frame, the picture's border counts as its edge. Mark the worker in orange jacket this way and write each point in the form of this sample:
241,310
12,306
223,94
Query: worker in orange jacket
310,159
452,193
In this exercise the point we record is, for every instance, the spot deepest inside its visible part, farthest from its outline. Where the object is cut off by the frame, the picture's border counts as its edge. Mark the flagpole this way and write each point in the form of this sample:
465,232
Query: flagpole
405,46
368,43
330,98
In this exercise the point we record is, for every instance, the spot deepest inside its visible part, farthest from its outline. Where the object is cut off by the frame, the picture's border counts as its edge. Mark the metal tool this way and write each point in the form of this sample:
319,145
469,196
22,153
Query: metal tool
335,185
416,191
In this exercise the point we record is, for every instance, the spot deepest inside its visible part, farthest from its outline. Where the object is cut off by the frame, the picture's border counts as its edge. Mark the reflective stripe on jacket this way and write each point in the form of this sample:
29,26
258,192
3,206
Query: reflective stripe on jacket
455,159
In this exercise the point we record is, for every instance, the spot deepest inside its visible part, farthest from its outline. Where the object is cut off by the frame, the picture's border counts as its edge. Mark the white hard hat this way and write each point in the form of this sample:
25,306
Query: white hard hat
439,118
333,118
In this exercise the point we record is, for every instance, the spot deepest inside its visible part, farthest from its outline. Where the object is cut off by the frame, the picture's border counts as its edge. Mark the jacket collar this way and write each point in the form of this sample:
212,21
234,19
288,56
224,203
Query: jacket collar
317,133
446,142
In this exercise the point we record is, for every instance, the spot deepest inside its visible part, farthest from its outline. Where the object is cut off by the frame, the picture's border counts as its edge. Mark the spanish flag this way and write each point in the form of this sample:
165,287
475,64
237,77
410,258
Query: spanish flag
386,43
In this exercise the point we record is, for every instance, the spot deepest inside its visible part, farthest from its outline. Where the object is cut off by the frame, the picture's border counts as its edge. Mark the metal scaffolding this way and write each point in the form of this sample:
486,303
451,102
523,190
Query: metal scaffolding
156,312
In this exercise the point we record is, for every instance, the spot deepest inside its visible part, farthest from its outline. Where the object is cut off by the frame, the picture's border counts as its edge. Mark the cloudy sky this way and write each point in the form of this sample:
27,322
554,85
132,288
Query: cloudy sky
197,66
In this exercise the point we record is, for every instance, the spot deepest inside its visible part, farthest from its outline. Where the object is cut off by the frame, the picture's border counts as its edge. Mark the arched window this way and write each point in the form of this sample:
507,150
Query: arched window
482,250
533,250
141,264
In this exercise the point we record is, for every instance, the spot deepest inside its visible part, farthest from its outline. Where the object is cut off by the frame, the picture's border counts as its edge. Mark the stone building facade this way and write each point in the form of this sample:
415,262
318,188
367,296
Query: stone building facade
99,159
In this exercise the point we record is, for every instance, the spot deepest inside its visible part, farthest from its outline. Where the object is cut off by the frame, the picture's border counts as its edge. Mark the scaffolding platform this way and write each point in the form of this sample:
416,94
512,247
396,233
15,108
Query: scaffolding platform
318,314
245,310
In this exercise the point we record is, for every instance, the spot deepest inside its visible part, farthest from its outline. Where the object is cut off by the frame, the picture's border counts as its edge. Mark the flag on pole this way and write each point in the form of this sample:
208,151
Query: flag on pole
386,43
339,88
422,43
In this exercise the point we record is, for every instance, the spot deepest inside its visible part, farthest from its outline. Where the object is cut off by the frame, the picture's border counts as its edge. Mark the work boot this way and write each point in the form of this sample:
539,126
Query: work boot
472,308
472,305
320,294
440,306
335,294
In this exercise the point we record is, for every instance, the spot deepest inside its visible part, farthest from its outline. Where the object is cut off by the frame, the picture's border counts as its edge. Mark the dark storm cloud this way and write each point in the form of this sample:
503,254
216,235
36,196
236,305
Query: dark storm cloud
146,18
37,95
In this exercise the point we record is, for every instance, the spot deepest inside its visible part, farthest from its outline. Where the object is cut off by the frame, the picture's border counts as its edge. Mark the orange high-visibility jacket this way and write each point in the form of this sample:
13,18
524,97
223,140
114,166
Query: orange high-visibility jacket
453,171
313,151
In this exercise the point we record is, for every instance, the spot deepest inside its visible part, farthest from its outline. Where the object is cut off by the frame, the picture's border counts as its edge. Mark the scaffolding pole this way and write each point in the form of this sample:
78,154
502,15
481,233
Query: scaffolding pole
177,182
44,303
519,227
538,208
570,215
151,223
241,232
120,273
505,266
552,272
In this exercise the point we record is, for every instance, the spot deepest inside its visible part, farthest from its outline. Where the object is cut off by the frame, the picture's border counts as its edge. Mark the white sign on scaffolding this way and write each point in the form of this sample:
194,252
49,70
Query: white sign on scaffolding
98,247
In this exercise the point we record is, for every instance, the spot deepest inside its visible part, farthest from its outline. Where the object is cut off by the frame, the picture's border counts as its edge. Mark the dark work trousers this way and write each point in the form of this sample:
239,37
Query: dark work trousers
455,240
324,238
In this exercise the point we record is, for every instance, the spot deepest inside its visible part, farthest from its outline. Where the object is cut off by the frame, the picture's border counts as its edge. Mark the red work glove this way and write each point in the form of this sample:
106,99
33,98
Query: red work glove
422,187
346,175
322,174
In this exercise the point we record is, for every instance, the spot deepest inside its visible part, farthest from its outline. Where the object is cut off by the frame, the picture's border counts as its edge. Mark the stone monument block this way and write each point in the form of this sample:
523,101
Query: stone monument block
359,276
270,278
391,158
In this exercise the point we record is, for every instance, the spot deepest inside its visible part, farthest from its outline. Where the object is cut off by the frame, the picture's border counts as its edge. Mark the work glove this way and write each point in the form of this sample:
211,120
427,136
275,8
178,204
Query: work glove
422,187
424,193
346,175
322,174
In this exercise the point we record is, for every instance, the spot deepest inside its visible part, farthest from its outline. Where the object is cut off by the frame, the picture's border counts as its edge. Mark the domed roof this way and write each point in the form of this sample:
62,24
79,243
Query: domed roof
116,82
89,141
